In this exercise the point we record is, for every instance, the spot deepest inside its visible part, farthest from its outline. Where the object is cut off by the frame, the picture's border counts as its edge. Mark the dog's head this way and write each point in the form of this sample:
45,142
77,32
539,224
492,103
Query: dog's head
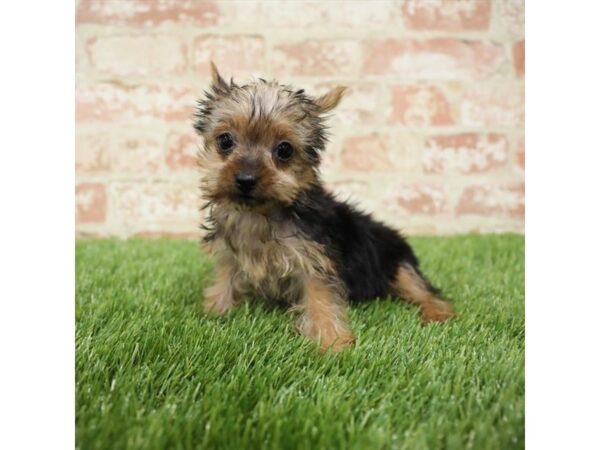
262,141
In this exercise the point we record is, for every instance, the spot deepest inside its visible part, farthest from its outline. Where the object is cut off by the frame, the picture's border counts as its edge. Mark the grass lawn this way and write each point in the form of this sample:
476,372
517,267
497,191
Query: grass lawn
153,372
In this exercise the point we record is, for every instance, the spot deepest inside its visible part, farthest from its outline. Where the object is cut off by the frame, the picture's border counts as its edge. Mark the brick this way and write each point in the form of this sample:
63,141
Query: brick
137,55
147,12
464,153
81,63
491,105
315,58
329,162
137,154
181,151
417,198
441,58
347,187
366,153
362,104
90,203
420,106
447,15
236,56
92,153
131,153
155,206
115,102
355,14
519,58
286,14
355,191
493,200
520,153
380,152
510,19
424,80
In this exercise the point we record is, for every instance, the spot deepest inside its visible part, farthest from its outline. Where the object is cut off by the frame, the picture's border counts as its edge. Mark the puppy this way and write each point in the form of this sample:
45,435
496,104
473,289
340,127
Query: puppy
275,232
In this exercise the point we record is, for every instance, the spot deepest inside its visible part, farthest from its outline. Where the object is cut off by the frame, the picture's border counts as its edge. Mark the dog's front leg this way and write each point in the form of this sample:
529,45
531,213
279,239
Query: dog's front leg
220,297
323,315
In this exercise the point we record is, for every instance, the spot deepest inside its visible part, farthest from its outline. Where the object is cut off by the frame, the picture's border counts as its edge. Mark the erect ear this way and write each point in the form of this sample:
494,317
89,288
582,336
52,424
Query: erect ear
331,99
217,81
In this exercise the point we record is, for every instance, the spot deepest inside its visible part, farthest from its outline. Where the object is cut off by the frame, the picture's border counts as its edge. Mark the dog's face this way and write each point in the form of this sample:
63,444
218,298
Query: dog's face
262,141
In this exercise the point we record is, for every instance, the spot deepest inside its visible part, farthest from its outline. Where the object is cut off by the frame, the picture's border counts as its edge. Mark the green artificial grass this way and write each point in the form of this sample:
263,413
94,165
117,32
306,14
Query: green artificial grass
154,373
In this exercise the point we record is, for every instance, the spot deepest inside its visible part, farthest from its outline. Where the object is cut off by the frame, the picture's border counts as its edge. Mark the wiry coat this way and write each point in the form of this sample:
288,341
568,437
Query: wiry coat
287,239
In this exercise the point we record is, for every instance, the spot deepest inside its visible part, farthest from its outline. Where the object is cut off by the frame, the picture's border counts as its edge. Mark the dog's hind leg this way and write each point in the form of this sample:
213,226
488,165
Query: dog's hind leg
411,285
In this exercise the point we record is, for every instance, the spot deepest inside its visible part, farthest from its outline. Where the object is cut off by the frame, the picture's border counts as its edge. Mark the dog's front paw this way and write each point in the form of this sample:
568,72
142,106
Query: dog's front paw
216,302
340,343
325,337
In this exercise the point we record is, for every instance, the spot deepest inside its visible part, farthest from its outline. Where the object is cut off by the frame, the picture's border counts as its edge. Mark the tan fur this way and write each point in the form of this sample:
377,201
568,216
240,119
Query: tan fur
261,253
219,298
255,140
409,285
331,99
216,78
261,105
270,259
323,318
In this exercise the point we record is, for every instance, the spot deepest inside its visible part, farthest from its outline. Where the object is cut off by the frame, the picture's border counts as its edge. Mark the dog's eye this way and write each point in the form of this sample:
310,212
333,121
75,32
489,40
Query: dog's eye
225,142
284,151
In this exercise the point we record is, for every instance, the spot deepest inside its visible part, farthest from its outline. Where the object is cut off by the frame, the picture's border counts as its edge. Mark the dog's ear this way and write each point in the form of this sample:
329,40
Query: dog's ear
218,83
330,100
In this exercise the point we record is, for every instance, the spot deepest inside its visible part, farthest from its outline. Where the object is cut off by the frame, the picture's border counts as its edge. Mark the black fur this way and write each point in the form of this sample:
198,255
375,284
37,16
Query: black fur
365,252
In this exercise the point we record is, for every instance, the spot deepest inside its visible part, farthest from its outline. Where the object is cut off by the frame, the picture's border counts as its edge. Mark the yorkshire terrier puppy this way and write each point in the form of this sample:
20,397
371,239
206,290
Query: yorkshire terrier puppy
275,232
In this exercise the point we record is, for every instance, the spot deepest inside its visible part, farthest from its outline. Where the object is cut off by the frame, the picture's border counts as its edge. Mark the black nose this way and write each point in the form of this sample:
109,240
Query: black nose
245,182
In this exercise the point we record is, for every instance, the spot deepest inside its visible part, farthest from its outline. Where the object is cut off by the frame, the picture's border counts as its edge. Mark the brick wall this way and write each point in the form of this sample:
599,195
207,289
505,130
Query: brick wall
430,136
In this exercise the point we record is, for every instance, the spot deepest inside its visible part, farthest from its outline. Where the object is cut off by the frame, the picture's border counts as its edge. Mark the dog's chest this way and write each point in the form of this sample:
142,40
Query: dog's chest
267,257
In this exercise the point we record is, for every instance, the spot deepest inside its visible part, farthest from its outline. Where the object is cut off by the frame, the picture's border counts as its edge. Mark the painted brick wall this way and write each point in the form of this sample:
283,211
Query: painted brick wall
430,137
